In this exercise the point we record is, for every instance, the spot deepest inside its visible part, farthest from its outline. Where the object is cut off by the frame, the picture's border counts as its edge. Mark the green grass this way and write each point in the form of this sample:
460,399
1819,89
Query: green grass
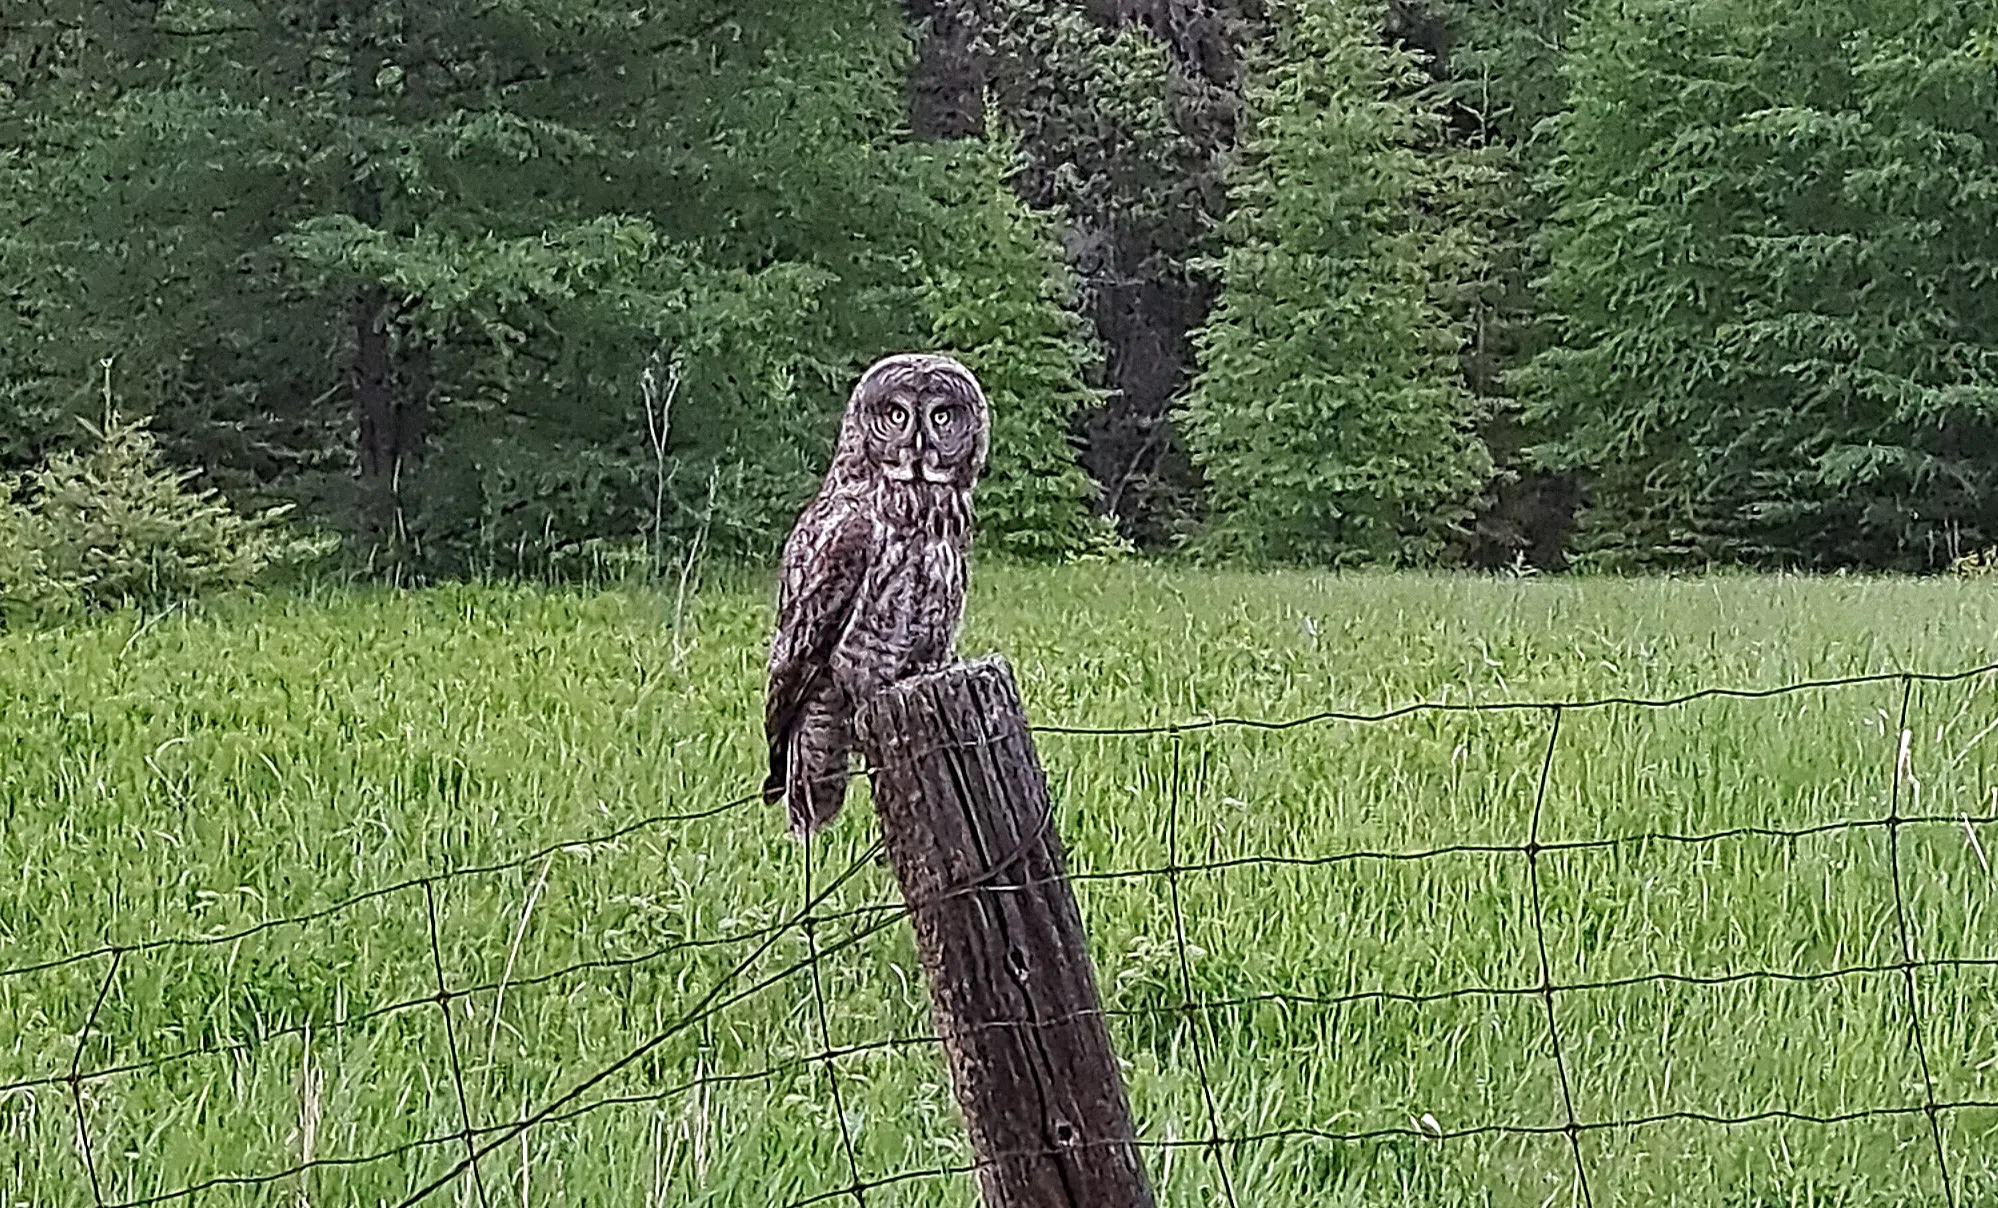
260,760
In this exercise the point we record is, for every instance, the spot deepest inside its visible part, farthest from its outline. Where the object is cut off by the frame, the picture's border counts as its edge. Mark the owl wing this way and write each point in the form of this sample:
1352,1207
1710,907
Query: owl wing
824,563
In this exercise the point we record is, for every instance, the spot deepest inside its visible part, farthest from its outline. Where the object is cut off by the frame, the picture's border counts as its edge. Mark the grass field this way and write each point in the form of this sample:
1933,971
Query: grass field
202,774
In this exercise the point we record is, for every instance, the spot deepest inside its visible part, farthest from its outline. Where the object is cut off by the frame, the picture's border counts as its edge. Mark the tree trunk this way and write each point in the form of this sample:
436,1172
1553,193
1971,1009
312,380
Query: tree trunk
372,384
947,81
390,385
1136,288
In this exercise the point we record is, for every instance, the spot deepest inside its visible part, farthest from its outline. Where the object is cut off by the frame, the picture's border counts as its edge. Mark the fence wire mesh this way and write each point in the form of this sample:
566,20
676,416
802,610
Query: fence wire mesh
1220,1123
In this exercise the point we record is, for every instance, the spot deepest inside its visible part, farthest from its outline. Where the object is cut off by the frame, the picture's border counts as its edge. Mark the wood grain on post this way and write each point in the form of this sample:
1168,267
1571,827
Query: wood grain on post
966,822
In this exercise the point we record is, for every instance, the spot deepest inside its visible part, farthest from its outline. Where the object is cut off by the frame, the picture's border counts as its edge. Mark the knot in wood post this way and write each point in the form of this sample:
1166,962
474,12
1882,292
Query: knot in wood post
967,824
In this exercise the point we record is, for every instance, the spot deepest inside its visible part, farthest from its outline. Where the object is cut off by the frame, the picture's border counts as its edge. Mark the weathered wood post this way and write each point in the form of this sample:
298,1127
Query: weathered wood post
966,822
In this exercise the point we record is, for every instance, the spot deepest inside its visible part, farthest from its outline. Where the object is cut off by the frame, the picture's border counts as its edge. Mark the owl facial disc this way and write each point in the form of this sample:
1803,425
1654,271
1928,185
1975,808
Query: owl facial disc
917,418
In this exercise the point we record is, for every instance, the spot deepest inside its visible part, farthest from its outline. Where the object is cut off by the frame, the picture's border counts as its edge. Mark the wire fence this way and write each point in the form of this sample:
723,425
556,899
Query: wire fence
828,930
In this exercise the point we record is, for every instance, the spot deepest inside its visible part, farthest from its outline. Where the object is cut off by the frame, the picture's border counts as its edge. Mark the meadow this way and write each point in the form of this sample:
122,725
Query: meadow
258,761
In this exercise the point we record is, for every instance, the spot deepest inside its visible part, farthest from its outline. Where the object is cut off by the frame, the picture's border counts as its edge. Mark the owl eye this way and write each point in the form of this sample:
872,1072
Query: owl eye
898,415
942,417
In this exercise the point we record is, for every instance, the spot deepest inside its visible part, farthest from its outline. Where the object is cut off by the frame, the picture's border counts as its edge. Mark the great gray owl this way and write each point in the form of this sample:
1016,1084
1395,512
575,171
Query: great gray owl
873,577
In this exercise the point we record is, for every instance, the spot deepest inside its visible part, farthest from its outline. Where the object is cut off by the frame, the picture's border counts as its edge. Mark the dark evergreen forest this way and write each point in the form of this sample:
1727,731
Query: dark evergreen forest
545,287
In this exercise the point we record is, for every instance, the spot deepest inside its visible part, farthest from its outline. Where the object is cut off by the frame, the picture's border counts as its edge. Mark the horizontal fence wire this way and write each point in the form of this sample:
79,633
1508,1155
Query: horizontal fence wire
344,905
826,932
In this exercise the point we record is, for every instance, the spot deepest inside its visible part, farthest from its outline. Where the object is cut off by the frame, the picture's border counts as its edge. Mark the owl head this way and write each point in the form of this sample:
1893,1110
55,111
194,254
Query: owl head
915,417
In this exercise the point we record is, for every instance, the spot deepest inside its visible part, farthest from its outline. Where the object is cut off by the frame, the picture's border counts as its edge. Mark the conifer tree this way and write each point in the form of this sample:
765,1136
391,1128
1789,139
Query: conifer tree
999,297
1774,249
405,262
1330,416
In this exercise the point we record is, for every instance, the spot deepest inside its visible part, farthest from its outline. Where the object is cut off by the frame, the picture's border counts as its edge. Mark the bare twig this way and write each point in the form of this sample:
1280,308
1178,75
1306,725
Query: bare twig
659,396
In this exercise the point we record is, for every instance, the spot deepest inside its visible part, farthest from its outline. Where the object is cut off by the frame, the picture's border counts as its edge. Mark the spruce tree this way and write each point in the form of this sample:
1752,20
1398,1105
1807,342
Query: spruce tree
1330,415
406,262
1773,256
998,296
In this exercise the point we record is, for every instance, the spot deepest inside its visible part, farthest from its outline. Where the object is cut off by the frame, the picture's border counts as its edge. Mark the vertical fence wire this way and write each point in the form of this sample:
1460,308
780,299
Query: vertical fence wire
1197,1020
1533,849
808,923
444,999
1900,746
84,1148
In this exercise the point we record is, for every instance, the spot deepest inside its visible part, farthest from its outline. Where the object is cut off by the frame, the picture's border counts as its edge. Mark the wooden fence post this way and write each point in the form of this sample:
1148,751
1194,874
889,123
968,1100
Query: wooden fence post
966,822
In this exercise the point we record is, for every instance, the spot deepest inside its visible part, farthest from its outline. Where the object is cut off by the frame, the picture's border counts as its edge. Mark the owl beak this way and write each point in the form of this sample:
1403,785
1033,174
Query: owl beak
922,464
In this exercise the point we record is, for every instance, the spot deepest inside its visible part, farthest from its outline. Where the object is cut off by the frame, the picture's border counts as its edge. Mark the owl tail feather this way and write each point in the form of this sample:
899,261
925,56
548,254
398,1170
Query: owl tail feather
813,801
808,764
